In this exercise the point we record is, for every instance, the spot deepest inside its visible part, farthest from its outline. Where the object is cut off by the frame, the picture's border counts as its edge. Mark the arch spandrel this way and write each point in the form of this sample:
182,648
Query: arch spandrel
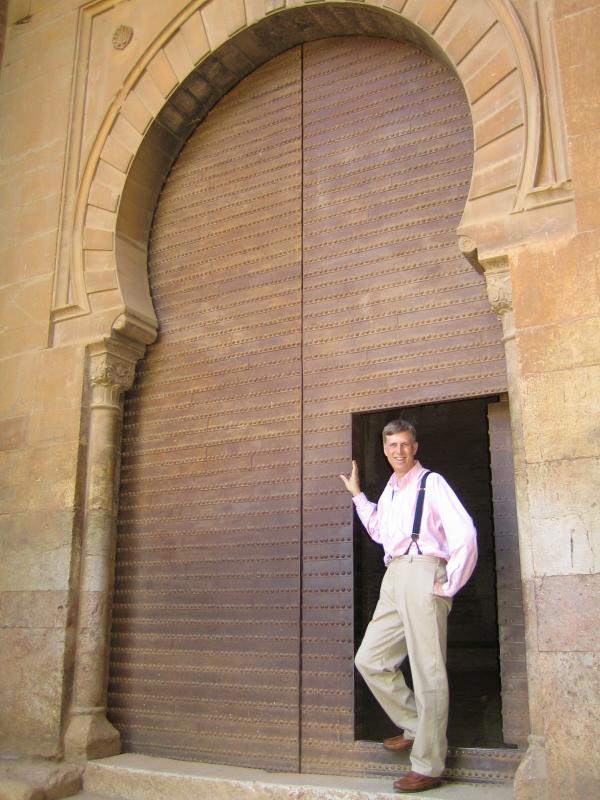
213,45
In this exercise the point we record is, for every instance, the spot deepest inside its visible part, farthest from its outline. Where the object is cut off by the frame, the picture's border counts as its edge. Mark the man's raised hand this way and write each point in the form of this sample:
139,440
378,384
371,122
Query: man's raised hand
352,484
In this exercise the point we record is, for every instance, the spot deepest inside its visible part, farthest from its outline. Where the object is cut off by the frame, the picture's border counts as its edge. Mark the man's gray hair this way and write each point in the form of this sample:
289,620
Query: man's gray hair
399,426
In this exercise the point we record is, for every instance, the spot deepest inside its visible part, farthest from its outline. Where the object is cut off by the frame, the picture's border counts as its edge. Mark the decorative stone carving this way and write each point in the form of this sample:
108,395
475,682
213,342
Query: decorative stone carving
499,286
122,36
498,282
553,179
110,375
497,275
468,248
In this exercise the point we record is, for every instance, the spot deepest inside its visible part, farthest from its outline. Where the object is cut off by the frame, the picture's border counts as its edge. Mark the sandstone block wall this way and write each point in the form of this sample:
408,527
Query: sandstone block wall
556,306
40,388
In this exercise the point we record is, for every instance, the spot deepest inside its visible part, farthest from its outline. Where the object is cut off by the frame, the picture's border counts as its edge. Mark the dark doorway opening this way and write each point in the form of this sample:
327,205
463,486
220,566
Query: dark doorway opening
453,440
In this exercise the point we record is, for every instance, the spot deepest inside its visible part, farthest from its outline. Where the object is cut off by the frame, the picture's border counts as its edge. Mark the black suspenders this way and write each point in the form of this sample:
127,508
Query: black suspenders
418,514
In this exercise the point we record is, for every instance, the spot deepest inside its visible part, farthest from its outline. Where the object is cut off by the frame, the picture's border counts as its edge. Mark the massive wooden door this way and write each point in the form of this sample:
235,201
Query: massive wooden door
207,600
303,267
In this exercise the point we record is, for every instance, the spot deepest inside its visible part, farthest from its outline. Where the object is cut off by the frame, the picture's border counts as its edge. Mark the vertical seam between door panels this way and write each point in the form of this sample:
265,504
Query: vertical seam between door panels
301,554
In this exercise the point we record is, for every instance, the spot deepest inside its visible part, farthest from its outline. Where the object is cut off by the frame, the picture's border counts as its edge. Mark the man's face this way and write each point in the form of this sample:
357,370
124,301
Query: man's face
400,450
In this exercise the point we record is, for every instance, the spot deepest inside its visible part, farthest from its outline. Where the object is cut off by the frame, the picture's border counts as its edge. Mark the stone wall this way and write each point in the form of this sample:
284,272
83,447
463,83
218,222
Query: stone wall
556,305
41,388
552,333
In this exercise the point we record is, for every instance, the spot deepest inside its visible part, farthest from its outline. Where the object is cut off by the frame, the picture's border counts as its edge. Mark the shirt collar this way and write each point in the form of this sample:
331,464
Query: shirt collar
412,476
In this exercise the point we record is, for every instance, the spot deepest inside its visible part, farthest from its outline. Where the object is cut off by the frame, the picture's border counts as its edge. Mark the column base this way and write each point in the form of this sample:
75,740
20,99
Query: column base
90,735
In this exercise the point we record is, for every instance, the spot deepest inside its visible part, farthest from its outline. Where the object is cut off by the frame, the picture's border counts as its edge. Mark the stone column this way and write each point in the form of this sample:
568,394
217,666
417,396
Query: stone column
111,369
531,778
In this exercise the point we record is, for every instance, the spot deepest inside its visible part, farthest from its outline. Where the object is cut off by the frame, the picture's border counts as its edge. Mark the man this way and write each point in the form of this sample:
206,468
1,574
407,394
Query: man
424,571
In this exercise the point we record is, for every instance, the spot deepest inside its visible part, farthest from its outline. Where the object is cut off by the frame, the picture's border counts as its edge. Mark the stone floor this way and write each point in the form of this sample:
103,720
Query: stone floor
137,777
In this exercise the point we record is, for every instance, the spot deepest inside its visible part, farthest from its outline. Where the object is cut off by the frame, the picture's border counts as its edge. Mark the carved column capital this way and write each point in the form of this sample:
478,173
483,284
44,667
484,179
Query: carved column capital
111,371
499,284
496,269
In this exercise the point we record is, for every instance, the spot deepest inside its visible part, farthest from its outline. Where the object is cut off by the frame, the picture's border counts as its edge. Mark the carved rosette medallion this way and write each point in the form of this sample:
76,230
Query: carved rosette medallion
122,36
467,246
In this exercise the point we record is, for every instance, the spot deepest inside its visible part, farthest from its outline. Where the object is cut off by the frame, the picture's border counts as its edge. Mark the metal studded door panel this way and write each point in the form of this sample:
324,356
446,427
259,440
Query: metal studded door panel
393,316
205,644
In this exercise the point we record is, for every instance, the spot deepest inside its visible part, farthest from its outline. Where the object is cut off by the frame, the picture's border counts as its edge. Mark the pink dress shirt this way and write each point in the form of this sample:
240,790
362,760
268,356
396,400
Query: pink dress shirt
447,531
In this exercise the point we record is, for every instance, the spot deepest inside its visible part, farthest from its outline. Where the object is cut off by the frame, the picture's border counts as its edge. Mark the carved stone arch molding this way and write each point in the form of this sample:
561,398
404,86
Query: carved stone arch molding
519,161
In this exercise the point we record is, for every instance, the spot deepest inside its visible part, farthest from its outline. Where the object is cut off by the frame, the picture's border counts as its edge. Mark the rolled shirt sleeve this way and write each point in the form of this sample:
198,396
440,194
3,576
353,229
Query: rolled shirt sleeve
459,532
367,513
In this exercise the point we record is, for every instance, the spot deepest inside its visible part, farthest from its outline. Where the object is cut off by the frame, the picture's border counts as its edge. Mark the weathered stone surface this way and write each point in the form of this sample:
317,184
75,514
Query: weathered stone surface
561,346
31,689
37,779
571,683
564,401
563,290
33,609
13,433
35,546
568,613
565,536
579,57
14,789
531,780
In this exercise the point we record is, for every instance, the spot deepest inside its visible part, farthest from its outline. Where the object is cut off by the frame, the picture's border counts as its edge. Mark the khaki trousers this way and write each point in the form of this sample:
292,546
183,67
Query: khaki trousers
410,620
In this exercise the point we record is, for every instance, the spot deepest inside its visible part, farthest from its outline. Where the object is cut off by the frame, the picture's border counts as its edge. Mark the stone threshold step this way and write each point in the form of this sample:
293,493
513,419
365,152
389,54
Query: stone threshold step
87,796
138,777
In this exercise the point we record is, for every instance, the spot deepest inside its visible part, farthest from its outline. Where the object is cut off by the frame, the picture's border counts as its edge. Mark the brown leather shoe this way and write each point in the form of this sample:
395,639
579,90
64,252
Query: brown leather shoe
397,744
415,782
